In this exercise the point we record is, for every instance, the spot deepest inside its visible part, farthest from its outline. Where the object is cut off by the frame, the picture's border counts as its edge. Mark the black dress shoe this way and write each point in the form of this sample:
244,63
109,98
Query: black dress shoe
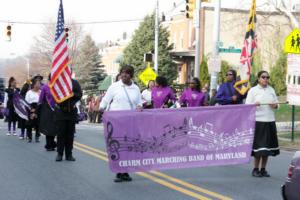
29,140
256,173
118,178
50,149
126,177
70,158
58,158
264,173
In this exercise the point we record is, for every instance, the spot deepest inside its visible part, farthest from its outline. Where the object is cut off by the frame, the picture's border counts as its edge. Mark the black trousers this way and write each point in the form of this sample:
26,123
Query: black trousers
65,136
50,143
29,131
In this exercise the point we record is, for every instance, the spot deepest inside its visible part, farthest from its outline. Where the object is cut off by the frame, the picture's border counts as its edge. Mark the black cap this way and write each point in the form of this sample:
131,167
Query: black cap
38,76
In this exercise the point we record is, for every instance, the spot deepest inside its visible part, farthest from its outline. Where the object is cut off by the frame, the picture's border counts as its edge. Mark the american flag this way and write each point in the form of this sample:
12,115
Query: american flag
61,82
250,44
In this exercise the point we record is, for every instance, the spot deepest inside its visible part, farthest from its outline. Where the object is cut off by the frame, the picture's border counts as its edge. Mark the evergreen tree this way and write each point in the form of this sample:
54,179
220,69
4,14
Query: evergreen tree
256,66
143,42
89,71
204,75
278,74
224,69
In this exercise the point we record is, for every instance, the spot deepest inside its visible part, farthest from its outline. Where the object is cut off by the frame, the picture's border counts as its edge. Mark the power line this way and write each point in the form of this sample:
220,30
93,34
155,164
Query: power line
79,23
91,22
175,7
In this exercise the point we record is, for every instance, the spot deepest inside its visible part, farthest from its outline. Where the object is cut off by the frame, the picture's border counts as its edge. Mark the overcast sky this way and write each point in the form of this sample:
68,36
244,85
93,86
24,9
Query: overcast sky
78,10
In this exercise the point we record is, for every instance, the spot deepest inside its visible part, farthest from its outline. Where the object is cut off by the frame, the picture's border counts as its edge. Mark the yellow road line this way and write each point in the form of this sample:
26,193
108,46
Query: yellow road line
91,153
152,178
165,176
172,186
191,186
91,148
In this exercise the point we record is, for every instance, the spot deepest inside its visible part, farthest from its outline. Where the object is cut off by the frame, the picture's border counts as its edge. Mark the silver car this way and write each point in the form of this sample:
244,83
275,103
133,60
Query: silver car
291,189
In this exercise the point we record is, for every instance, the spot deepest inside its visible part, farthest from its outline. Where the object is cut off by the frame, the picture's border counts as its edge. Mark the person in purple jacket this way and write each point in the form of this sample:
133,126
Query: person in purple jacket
192,96
47,125
162,94
226,93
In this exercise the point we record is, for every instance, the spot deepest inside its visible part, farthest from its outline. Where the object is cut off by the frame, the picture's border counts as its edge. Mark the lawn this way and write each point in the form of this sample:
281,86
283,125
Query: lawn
288,135
284,113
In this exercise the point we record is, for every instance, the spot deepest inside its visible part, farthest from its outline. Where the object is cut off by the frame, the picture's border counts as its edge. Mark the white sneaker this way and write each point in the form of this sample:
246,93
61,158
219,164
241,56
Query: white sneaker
21,138
15,134
8,134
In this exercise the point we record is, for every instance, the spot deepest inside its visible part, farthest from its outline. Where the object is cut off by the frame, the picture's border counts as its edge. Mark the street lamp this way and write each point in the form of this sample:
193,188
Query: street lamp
28,67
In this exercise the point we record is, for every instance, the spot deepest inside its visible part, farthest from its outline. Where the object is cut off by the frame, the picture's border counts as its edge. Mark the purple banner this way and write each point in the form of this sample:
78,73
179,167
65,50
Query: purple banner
179,138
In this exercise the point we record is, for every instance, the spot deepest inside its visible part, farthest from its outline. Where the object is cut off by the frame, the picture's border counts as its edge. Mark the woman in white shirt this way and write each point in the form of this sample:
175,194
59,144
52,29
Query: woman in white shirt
265,138
32,97
146,95
123,95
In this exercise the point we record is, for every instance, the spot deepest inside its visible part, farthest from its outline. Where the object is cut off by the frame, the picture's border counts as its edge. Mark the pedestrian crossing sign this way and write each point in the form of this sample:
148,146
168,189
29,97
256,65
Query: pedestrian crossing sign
147,75
292,42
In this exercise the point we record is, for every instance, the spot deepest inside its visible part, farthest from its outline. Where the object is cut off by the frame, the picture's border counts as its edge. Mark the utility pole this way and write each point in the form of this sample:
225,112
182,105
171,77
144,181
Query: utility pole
28,67
216,38
197,27
156,37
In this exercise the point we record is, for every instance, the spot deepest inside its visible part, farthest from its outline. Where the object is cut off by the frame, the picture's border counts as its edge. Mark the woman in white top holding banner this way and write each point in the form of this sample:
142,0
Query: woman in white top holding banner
123,95
265,138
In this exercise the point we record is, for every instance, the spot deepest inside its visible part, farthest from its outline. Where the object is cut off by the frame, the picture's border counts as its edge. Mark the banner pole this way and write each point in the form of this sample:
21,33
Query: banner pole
293,124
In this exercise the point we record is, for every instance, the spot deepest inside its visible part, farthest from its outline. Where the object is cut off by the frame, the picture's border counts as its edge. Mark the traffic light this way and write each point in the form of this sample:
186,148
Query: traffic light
8,32
189,8
67,34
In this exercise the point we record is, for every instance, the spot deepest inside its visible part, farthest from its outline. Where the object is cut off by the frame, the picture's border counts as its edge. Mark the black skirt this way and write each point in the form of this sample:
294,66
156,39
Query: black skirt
265,139
21,123
47,125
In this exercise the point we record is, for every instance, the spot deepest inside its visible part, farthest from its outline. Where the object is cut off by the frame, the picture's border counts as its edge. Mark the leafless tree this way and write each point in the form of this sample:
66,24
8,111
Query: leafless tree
17,68
41,51
284,7
275,20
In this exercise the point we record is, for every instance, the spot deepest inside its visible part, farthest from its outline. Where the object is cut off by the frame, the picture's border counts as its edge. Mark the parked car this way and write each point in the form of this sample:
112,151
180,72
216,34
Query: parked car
291,189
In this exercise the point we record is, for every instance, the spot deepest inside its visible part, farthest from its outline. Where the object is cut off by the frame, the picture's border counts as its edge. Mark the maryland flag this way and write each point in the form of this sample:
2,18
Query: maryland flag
242,84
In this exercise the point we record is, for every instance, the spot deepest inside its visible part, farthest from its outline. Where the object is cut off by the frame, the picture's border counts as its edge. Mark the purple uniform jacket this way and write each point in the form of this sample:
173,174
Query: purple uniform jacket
225,93
160,96
192,98
46,96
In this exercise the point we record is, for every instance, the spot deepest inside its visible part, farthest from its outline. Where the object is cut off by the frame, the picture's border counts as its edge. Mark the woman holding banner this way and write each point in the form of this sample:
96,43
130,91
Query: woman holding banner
265,138
123,95
192,96
22,122
11,115
162,94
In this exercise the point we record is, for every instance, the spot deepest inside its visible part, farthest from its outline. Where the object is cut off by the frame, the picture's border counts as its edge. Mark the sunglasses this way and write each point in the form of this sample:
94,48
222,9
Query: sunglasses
265,77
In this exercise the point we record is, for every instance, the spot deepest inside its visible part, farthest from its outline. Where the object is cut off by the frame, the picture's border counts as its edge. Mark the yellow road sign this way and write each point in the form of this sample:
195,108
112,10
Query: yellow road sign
292,42
147,75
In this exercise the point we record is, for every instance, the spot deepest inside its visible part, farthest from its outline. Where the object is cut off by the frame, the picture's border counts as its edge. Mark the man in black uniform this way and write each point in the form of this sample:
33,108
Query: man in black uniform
65,117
